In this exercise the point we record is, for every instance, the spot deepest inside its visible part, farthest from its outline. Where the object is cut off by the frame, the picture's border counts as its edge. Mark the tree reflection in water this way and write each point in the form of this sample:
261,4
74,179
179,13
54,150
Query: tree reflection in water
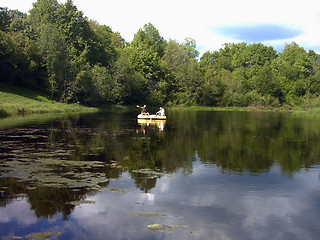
73,157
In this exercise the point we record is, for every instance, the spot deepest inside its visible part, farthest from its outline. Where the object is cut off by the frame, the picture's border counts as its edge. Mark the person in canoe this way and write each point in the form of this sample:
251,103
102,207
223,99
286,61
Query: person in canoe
161,112
143,109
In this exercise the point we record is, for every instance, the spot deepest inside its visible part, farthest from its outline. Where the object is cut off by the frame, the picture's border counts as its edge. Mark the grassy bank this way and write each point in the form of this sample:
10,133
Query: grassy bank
15,100
310,113
313,113
229,109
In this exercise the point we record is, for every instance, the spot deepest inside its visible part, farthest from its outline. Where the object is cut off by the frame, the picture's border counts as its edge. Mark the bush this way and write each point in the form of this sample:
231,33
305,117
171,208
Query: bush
181,99
310,101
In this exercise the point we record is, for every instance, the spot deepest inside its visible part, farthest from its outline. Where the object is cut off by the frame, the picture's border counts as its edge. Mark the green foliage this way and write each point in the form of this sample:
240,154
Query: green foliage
294,62
54,49
11,20
150,38
105,86
57,49
184,80
140,70
211,92
266,83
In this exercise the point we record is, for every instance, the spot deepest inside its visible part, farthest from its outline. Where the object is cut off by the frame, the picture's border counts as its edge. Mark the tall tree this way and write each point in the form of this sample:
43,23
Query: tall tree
145,53
20,61
149,37
293,67
43,12
54,50
184,71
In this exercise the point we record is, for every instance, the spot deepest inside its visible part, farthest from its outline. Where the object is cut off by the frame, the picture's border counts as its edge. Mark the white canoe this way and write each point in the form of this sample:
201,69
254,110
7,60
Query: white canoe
152,116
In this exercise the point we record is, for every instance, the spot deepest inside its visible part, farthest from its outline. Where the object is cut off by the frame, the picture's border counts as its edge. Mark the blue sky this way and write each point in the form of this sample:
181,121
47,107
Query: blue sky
258,32
210,23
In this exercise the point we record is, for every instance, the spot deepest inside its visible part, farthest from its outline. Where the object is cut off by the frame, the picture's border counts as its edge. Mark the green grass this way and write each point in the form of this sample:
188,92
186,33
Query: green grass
224,109
15,100
311,113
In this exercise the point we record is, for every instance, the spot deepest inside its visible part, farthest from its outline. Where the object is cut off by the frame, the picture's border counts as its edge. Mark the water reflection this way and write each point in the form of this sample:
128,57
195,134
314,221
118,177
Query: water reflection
217,173
150,122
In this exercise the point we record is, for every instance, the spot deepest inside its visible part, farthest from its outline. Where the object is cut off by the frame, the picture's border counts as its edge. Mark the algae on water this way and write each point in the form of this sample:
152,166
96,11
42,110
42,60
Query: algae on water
146,214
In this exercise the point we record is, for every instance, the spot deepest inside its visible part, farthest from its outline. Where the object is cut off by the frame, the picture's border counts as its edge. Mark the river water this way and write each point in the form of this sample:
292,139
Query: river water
198,175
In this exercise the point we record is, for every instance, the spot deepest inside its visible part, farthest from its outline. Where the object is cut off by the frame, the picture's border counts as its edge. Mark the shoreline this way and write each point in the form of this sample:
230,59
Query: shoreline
16,101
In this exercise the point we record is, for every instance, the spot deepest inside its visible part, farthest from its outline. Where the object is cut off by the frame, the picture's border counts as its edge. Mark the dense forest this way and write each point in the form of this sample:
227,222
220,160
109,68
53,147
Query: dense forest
55,48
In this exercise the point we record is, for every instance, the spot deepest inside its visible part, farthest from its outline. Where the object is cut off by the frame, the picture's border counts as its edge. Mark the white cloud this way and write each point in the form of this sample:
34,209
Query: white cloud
14,211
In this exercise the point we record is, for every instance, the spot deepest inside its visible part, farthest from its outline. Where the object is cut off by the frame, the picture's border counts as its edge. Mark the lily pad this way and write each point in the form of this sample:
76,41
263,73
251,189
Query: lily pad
150,173
55,172
160,227
39,235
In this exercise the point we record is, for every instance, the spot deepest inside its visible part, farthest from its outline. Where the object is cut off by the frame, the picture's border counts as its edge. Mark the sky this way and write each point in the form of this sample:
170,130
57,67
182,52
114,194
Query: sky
210,23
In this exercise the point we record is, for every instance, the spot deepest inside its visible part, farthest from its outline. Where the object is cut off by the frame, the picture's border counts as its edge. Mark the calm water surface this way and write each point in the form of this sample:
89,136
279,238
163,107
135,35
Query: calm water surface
199,175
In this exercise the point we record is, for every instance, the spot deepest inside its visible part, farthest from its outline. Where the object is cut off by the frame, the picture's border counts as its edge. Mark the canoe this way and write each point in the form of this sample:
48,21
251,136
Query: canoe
152,116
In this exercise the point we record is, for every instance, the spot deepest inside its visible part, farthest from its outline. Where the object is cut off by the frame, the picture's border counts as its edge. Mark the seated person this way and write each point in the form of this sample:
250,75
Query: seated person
161,112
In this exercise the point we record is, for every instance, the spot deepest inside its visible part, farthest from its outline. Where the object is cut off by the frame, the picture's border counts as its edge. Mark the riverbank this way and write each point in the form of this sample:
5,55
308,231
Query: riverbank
16,100
295,111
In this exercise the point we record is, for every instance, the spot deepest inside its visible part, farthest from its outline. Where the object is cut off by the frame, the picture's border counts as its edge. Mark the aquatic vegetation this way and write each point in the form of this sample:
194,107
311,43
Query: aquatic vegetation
146,214
39,236
81,202
115,189
160,227
27,155
43,172
150,173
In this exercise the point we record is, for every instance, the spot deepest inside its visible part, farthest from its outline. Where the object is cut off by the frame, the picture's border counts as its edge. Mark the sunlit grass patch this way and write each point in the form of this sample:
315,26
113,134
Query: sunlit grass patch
311,113
21,101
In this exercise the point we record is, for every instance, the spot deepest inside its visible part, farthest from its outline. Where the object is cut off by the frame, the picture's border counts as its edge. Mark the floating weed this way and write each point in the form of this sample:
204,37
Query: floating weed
30,156
39,236
81,202
53,185
160,227
150,173
121,191
55,172
146,214
56,179
98,180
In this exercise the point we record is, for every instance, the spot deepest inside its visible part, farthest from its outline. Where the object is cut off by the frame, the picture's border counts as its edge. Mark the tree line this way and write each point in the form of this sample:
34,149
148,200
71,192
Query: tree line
57,49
